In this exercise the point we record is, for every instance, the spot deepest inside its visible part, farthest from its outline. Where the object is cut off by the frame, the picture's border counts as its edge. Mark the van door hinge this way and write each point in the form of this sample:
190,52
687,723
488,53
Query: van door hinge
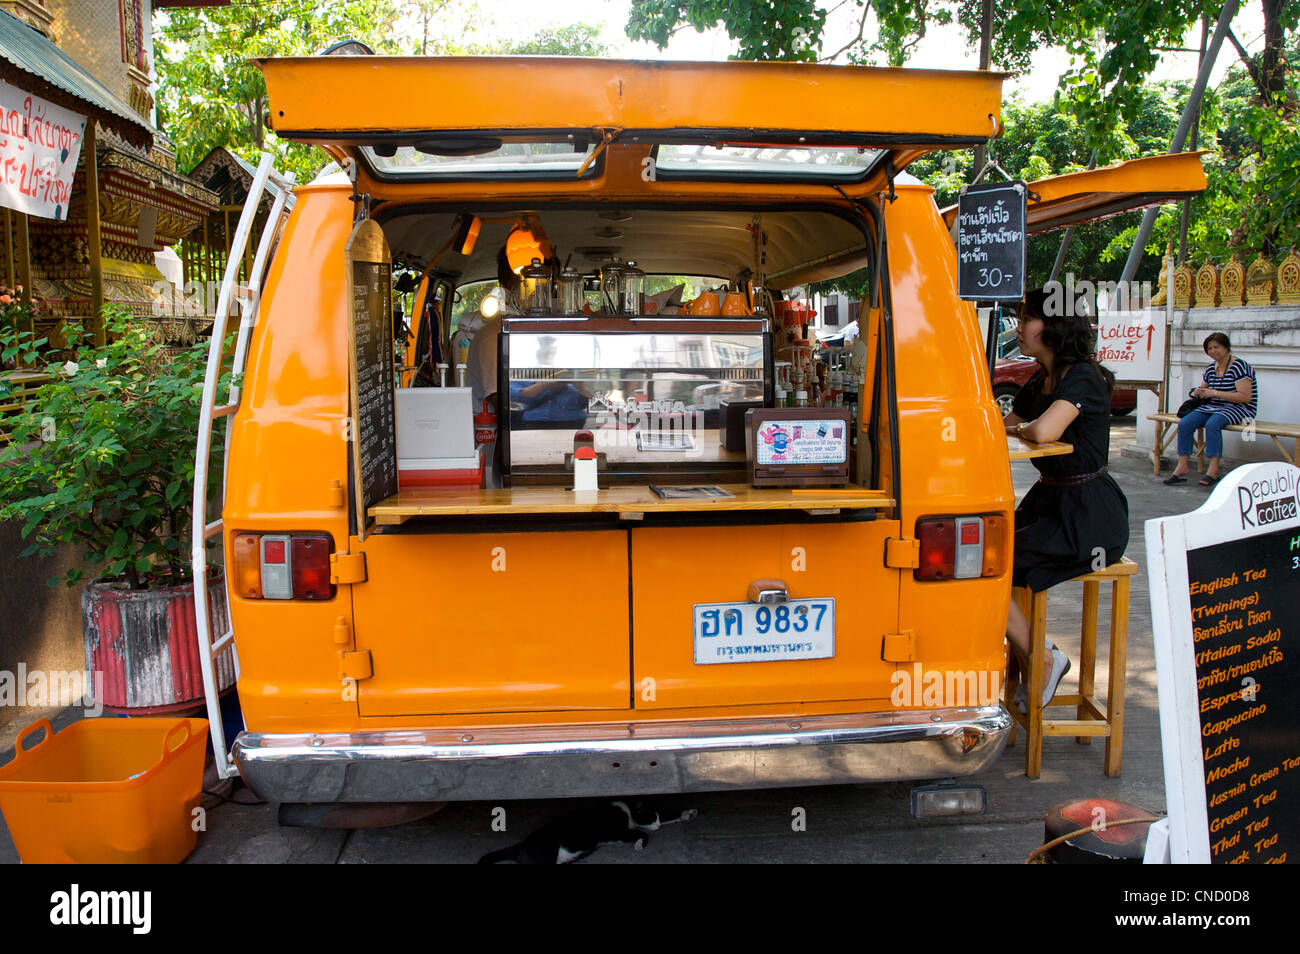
342,631
899,647
348,568
355,665
903,554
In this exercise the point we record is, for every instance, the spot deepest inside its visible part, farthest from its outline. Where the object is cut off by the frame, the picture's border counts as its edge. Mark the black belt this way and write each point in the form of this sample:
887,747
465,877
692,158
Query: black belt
1072,480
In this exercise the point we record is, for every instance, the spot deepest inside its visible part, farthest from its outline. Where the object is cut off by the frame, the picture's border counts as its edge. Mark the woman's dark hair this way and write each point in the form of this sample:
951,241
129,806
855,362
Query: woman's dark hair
1067,331
506,276
1218,337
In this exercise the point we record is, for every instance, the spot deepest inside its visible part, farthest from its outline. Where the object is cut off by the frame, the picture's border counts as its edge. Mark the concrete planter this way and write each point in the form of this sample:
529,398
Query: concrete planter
142,647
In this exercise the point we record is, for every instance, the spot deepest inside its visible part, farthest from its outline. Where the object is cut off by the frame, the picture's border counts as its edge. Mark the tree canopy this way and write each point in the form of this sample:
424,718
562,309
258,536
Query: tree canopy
211,95
1114,44
1252,165
1103,109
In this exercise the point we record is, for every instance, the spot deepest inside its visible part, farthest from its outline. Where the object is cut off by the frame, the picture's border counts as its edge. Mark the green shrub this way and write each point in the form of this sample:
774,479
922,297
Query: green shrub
104,456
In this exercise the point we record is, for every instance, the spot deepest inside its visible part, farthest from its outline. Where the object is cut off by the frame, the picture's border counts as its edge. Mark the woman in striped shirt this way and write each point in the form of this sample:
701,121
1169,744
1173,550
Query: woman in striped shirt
1231,398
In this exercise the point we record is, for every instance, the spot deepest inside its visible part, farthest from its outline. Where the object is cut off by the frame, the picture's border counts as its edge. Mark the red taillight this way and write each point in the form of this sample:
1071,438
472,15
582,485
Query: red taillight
961,548
283,566
311,568
938,539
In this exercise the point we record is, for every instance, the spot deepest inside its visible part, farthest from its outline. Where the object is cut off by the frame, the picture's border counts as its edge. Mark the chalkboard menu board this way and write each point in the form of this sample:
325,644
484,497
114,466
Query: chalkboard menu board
1244,599
991,242
1225,590
373,432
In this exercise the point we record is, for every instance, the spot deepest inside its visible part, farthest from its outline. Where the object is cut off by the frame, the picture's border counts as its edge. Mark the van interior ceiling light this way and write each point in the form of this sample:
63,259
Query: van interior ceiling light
527,241
494,302
467,229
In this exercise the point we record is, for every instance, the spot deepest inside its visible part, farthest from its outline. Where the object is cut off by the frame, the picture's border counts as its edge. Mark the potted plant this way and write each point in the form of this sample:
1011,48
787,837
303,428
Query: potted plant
103,458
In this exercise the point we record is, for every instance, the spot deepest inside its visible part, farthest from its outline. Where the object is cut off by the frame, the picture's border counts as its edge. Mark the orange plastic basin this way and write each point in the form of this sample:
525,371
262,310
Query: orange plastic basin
105,791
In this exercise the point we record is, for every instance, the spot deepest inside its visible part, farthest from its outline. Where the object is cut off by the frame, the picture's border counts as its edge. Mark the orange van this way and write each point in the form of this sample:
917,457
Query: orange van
693,624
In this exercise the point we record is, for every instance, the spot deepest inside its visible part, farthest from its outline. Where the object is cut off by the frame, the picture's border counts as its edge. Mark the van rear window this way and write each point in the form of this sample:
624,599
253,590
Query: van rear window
490,158
765,162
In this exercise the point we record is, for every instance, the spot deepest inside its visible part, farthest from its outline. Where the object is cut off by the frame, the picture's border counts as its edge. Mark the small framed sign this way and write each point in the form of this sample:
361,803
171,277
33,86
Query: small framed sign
991,244
797,446
1225,584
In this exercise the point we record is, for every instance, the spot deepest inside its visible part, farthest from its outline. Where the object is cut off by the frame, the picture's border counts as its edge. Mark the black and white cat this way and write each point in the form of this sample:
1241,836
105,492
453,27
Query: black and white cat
579,833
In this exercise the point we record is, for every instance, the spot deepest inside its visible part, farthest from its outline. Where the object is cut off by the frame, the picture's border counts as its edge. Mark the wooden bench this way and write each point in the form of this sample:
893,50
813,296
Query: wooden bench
1090,719
1274,429
17,391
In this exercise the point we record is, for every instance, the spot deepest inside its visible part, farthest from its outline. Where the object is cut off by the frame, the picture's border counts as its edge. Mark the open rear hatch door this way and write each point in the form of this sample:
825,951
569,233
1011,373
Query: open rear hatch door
1078,197
408,119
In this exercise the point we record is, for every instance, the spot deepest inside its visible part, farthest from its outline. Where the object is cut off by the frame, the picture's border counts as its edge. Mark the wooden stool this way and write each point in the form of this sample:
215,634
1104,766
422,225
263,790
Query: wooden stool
1090,719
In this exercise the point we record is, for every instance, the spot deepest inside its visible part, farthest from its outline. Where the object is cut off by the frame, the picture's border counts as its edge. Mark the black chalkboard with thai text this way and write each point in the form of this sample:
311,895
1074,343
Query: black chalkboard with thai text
991,244
372,342
1246,631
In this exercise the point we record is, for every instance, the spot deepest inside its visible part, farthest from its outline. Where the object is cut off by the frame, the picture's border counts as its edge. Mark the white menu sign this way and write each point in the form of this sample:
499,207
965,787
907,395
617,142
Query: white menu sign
1225,584
40,144
1132,344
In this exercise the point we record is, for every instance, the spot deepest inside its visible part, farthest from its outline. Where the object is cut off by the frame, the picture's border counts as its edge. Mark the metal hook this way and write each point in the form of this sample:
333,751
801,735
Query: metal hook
990,161
607,136
992,164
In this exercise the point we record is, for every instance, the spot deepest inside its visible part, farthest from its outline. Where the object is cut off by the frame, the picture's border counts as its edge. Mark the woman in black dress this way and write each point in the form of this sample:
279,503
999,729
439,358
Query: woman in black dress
1075,518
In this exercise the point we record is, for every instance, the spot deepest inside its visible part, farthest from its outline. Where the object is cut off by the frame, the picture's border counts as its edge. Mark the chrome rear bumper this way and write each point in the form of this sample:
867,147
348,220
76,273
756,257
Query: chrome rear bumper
404,765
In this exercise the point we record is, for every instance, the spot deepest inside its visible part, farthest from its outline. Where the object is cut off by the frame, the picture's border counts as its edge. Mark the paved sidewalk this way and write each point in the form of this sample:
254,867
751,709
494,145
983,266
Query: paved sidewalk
843,823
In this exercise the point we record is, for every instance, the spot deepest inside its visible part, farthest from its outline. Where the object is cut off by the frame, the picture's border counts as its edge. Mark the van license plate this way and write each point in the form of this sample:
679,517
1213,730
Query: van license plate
764,632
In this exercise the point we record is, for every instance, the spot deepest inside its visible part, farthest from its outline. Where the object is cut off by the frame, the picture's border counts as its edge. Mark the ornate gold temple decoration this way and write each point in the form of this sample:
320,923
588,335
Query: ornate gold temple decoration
1288,280
143,207
1162,283
1260,279
1207,286
31,12
1232,282
1184,278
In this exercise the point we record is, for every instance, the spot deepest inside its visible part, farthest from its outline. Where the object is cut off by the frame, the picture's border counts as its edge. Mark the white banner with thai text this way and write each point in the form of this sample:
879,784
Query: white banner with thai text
40,144
1132,344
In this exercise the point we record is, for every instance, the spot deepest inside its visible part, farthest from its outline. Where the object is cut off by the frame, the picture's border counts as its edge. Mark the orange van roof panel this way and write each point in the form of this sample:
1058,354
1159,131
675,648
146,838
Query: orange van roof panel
341,98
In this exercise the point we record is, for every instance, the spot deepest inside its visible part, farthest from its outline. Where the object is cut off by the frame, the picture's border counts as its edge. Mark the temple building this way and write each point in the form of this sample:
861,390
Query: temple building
65,63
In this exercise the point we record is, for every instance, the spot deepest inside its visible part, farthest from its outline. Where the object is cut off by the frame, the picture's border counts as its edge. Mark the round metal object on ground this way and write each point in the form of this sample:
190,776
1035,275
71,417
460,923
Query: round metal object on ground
1125,844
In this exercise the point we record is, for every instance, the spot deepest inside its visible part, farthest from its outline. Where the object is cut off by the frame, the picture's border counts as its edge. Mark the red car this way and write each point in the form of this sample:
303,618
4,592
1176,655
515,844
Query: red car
1011,373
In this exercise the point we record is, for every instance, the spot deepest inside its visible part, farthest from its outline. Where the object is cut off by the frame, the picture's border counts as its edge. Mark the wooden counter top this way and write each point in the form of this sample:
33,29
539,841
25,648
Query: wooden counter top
630,503
1018,448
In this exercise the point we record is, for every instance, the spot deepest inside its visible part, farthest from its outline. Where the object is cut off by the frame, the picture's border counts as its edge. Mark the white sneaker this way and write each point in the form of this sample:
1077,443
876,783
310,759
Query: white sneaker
1022,699
1060,666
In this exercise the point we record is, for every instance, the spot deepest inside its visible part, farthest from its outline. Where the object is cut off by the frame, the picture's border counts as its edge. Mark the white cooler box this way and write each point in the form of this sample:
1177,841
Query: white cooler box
435,439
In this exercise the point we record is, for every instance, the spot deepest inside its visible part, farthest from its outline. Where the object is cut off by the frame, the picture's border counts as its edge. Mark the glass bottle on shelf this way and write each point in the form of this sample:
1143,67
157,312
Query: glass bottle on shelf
571,292
535,288
611,288
633,300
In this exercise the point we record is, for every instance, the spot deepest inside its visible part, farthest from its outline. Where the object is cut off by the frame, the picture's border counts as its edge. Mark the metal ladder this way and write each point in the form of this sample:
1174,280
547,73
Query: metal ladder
248,302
